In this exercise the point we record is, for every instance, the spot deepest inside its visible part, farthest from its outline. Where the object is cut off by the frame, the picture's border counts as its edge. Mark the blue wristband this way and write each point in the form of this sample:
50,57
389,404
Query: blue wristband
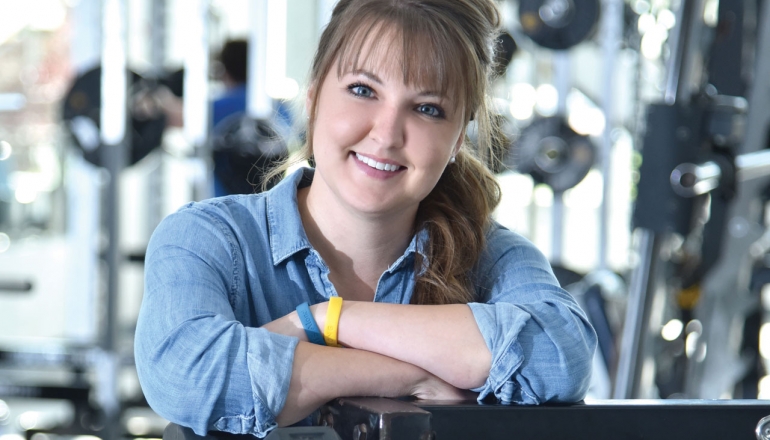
308,323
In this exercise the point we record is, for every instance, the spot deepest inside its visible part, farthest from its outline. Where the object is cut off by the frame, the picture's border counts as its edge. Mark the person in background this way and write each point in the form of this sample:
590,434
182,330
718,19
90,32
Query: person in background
227,109
380,272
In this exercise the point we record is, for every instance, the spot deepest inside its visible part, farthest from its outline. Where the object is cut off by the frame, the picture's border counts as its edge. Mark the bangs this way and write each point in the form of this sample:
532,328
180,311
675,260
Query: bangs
429,63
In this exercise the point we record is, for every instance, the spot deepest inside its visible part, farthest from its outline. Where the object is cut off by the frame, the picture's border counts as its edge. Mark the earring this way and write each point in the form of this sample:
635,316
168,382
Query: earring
452,159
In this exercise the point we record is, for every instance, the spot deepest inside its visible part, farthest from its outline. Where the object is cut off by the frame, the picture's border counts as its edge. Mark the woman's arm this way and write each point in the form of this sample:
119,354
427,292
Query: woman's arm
525,341
320,374
443,340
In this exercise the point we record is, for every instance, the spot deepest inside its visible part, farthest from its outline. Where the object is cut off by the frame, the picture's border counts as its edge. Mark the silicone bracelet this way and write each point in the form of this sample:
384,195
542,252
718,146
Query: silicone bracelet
332,321
308,323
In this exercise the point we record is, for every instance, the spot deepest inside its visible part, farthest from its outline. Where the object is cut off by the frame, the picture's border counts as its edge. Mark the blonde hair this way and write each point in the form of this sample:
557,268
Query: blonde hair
447,46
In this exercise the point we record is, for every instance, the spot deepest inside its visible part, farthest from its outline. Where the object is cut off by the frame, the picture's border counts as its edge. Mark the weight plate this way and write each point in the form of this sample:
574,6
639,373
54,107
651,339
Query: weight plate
82,114
552,153
558,24
245,150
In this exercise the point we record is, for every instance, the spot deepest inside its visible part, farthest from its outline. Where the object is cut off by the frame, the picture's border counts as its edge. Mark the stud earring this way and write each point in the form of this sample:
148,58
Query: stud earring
452,159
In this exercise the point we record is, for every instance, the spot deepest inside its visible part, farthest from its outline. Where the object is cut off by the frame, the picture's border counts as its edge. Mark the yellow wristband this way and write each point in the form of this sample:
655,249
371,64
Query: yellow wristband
332,321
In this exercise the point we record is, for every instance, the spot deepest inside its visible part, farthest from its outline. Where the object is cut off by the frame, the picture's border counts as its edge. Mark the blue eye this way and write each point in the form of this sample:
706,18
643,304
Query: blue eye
430,110
360,90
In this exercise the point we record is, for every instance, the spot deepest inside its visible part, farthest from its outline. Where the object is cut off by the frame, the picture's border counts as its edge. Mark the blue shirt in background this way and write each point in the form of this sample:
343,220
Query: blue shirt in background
218,270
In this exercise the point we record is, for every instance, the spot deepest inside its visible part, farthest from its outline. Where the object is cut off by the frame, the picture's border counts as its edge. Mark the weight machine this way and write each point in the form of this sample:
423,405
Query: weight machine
699,213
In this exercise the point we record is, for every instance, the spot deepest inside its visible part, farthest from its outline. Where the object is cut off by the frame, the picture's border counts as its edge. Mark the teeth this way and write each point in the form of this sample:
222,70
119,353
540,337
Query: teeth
378,165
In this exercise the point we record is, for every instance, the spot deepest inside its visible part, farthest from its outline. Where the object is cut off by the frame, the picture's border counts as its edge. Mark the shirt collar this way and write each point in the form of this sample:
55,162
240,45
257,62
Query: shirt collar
287,235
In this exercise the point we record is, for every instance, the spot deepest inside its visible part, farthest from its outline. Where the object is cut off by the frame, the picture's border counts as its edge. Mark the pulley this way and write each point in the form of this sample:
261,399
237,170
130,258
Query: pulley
246,150
558,24
82,115
552,153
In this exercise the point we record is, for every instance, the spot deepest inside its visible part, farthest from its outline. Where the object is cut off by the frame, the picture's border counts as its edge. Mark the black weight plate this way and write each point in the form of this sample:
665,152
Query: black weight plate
558,24
552,153
246,150
82,114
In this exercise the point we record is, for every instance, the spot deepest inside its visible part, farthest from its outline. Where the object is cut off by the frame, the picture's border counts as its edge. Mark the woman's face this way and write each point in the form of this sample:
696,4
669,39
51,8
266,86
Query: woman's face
381,145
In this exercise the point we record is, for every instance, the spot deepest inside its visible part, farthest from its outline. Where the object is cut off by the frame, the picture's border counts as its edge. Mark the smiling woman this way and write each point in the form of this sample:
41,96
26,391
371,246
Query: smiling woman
243,309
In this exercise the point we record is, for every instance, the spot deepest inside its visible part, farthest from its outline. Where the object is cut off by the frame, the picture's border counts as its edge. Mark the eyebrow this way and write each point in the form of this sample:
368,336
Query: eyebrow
372,76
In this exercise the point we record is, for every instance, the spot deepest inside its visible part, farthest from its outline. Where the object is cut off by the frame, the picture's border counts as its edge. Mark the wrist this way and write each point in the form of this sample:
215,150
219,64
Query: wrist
297,325
319,313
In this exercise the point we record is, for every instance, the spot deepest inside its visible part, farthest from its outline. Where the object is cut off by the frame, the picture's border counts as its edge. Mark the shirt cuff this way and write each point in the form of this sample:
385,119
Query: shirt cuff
507,353
270,367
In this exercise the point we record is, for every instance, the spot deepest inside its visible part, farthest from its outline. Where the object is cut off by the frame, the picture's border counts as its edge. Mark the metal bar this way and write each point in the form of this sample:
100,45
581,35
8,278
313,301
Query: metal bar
196,65
561,67
681,64
612,24
158,35
196,114
15,285
72,393
752,166
594,420
639,297
601,420
114,138
376,418
258,103
690,180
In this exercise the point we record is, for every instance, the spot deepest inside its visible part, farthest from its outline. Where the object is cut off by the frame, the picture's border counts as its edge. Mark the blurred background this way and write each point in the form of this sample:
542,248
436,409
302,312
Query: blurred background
633,159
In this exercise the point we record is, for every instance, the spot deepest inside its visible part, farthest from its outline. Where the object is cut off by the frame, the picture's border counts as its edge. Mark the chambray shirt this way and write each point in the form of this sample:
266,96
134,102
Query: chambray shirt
218,270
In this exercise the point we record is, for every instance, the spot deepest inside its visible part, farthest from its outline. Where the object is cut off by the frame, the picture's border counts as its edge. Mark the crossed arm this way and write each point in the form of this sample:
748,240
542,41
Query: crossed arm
426,351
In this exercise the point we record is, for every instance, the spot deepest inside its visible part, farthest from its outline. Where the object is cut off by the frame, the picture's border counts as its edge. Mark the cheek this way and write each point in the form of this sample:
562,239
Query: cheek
339,128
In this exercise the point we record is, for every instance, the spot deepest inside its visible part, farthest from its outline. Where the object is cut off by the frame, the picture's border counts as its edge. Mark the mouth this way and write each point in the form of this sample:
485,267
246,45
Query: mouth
381,166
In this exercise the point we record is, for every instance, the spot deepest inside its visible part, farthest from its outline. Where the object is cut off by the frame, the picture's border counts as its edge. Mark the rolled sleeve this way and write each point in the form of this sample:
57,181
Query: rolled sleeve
199,366
541,342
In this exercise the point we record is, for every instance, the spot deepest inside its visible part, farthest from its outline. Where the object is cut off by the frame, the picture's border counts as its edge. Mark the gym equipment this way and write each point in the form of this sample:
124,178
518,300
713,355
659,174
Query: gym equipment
370,418
12,285
176,432
552,153
245,150
558,24
699,214
81,114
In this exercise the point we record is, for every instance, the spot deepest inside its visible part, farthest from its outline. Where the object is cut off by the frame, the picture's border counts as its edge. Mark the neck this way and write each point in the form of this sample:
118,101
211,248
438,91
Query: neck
357,247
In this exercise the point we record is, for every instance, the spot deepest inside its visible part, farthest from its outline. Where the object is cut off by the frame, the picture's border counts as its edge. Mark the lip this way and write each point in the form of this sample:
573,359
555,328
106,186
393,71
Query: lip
373,172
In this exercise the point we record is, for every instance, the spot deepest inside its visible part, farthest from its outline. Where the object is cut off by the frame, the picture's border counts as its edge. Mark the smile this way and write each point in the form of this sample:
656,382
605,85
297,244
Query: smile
377,165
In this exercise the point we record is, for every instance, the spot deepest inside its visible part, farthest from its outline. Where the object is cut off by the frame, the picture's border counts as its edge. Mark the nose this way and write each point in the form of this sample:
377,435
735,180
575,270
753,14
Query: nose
388,127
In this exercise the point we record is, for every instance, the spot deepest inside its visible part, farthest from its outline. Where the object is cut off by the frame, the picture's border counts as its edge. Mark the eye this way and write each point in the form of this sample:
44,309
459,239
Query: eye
361,90
430,110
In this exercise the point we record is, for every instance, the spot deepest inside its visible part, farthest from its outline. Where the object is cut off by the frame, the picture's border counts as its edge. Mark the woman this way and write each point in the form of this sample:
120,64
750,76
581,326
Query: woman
439,302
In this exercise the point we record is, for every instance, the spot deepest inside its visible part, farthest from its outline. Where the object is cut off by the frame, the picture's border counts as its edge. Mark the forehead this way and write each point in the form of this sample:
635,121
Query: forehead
396,51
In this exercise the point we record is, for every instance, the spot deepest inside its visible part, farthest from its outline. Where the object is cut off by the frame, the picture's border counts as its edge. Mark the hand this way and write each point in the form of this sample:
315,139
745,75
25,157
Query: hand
433,388
288,325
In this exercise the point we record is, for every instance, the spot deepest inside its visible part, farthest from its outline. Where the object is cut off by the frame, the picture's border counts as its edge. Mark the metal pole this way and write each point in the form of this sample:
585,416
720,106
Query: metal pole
158,40
612,23
114,85
258,103
640,296
561,67
682,62
196,86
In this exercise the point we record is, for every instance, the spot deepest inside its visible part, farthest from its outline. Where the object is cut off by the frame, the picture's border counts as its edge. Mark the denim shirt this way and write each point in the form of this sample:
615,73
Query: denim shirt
217,270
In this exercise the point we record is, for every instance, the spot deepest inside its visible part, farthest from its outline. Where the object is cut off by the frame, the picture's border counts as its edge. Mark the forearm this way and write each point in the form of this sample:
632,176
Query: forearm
320,374
444,340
